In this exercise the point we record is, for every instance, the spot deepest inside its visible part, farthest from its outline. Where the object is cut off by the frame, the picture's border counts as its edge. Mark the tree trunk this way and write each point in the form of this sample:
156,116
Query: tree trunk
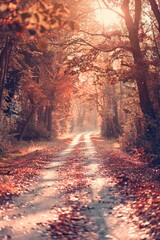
138,125
40,115
108,128
156,11
116,117
29,118
110,122
24,128
141,68
46,116
145,101
49,125
4,61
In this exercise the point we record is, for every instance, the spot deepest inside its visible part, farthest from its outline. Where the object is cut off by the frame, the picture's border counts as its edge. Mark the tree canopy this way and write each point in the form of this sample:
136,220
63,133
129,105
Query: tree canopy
100,55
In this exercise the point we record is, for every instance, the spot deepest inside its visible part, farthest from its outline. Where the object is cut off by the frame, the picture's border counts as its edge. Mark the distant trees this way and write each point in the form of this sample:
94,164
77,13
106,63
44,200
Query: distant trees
135,46
51,64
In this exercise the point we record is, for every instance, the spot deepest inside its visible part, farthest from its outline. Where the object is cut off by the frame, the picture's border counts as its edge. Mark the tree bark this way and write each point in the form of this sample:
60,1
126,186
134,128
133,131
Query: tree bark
29,118
156,11
4,61
141,68
49,125
46,116
40,115
24,128
110,122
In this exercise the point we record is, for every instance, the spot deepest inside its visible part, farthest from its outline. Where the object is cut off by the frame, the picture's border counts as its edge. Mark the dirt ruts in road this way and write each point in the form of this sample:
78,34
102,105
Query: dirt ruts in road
74,199
25,215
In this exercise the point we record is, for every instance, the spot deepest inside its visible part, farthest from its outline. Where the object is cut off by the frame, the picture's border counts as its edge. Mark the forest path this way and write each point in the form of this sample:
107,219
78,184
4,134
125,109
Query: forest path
74,199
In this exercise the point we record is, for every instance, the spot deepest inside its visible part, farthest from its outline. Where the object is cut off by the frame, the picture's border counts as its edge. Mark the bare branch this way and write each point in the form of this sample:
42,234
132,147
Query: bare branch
103,47
106,47
111,9
156,11
92,34
116,33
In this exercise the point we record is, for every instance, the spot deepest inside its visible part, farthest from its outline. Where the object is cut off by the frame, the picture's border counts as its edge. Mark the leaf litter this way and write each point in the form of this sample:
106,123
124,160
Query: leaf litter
137,184
72,219
19,171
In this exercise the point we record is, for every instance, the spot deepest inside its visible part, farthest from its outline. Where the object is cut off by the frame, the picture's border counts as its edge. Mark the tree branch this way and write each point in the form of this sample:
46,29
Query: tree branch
156,11
101,47
106,48
111,9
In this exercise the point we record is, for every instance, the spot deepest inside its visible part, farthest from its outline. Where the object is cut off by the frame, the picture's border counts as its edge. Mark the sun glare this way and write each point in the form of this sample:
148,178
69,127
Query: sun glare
107,17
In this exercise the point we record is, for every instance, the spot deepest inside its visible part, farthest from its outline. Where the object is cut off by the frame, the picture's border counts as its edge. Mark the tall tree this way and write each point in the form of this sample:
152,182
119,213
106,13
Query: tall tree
156,11
132,22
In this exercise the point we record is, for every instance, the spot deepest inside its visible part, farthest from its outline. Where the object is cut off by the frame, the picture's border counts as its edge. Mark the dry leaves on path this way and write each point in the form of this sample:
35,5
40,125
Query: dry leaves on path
136,182
19,170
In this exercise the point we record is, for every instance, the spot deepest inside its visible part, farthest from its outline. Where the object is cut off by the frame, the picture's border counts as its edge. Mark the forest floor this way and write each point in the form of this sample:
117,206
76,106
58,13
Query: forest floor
82,188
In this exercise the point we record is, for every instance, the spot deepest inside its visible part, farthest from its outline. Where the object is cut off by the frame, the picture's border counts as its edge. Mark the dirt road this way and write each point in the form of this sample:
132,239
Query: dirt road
73,199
